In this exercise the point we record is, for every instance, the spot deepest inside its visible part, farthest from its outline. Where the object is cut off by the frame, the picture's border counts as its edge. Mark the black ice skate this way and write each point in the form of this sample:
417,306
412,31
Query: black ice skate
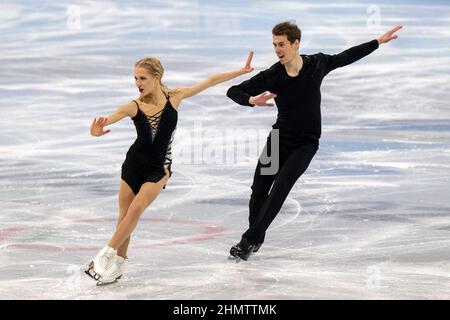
243,249
234,248
257,246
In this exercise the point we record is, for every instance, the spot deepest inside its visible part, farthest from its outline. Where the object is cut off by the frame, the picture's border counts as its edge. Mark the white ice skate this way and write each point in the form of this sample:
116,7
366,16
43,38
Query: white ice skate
103,266
113,273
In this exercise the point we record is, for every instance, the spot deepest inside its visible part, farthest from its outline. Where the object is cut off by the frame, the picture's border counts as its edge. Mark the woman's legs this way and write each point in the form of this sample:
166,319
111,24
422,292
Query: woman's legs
126,196
148,192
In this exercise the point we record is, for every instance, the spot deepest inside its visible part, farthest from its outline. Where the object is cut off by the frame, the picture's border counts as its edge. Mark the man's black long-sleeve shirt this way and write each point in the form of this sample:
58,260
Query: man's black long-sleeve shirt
298,98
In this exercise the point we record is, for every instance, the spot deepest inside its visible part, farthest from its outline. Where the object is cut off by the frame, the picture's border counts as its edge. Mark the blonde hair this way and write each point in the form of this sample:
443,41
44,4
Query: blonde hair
155,68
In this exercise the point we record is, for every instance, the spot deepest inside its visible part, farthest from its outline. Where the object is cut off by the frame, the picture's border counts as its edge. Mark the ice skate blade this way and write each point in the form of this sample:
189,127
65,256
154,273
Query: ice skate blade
238,258
91,273
235,259
245,258
101,284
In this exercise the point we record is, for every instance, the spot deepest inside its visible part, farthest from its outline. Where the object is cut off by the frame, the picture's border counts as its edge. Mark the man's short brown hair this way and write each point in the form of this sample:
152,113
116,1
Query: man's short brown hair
288,28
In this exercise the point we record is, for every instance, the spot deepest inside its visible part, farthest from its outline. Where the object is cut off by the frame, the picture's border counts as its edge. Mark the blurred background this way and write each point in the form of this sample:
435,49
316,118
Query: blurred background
370,219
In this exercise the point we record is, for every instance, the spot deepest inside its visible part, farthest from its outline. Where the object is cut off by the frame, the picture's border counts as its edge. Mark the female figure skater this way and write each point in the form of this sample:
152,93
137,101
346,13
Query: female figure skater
146,169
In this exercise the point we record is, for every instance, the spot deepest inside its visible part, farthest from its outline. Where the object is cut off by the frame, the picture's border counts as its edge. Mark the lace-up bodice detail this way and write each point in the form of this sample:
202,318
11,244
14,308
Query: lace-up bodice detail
154,122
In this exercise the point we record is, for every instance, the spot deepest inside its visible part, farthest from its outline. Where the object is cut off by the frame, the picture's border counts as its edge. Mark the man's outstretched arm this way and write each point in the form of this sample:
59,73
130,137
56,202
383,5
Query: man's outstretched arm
355,53
388,36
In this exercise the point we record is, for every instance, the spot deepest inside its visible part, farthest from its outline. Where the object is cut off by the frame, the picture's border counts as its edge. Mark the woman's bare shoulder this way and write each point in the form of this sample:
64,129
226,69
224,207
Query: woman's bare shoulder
129,108
175,97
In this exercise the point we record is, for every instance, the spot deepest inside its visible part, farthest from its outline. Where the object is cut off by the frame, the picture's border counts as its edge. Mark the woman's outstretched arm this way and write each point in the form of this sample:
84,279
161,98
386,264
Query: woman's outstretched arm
97,126
215,79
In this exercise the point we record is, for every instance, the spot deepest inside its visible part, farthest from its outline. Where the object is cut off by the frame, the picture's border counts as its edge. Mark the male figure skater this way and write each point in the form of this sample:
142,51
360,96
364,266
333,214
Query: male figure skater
294,83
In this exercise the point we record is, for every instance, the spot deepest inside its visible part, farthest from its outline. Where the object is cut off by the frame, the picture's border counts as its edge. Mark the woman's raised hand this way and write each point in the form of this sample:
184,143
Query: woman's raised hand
97,127
248,68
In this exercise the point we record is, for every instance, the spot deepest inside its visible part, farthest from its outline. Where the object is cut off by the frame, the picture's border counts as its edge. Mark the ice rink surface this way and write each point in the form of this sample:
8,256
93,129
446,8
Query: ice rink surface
370,219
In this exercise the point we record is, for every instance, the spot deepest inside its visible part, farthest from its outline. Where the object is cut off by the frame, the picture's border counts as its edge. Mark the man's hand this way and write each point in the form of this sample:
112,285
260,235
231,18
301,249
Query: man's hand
388,36
261,99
